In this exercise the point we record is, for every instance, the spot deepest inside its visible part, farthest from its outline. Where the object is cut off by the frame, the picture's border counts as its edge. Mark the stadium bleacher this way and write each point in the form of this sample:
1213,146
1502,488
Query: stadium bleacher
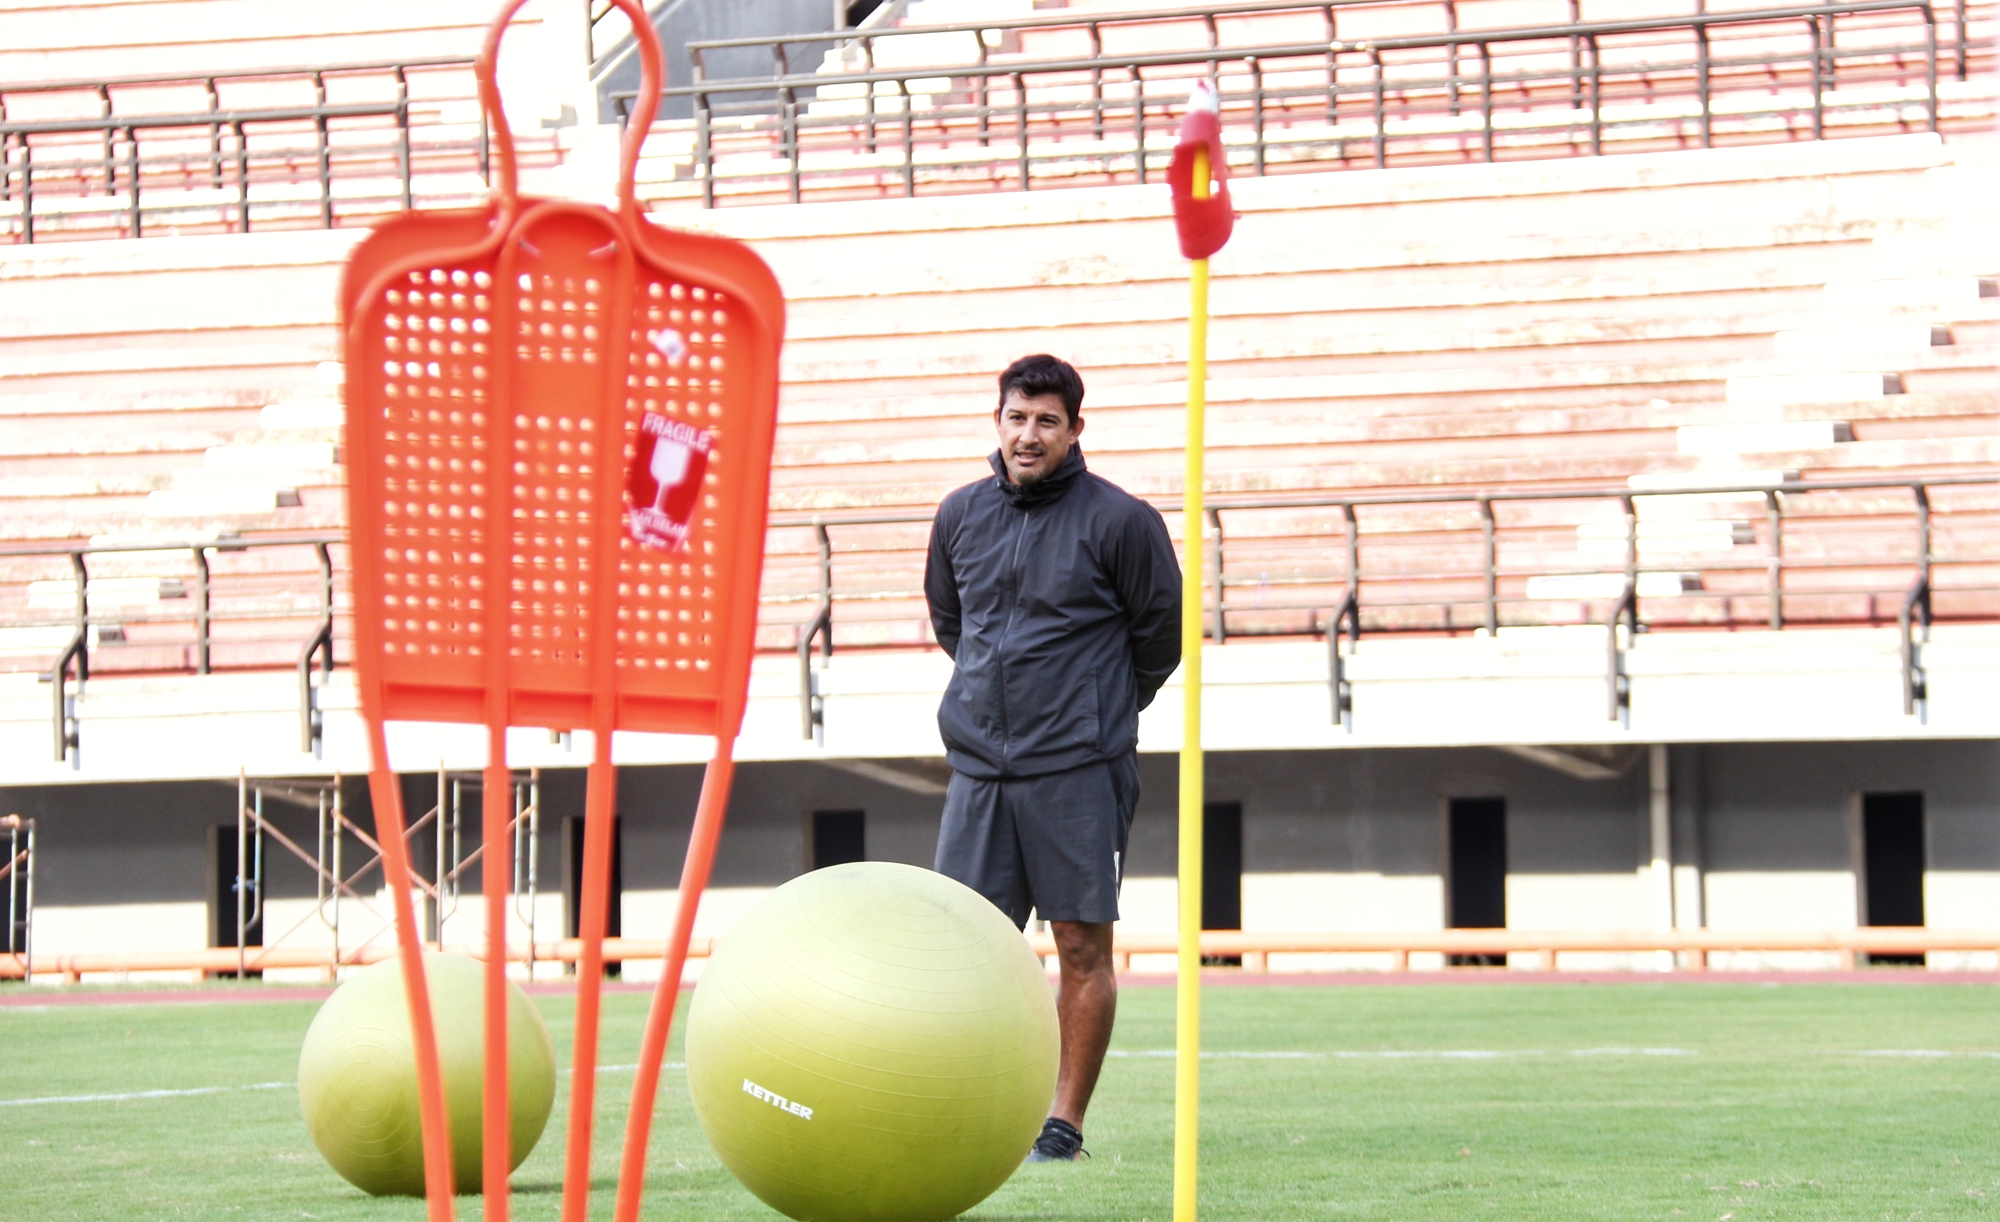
1461,319
1460,372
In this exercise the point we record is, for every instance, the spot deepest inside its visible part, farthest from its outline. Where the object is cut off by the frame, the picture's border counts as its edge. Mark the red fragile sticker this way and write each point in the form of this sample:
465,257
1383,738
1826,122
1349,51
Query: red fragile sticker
665,482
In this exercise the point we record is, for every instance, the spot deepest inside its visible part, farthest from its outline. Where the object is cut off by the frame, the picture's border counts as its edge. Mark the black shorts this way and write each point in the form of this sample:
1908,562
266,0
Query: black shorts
1053,843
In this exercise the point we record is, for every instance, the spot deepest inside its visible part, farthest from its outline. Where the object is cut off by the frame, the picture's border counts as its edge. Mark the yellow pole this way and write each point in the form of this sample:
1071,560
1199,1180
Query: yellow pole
1187,991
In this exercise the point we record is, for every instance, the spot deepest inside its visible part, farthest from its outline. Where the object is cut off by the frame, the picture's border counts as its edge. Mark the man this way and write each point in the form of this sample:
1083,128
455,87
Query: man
1057,595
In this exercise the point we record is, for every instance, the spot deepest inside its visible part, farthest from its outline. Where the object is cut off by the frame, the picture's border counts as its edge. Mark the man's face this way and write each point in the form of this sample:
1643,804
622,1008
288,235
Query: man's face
1035,435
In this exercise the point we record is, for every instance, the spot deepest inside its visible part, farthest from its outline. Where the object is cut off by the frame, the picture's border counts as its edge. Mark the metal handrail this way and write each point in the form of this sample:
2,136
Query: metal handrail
1254,946
1585,77
812,708
1345,617
102,169
80,84
1092,23
1163,59
311,724
1466,497
1347,613
1917,604
66,723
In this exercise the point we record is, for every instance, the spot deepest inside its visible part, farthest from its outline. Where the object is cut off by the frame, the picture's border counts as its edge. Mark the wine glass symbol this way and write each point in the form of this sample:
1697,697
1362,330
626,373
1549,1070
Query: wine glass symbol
668,468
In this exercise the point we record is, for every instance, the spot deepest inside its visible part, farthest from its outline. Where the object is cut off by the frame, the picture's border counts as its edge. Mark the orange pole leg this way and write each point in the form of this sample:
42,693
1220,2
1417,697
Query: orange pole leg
387,793
599,809
659,1021
496,871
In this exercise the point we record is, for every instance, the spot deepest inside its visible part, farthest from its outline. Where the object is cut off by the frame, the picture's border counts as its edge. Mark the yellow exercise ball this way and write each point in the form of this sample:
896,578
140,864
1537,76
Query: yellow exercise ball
358,1075
872,1043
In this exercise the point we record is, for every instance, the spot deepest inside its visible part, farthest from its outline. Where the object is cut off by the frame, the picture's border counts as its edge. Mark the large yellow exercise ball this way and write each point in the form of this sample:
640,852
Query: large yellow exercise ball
872,1043
358,1075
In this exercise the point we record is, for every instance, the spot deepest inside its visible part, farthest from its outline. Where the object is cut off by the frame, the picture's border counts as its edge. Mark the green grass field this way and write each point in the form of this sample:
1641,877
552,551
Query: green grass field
1726,1102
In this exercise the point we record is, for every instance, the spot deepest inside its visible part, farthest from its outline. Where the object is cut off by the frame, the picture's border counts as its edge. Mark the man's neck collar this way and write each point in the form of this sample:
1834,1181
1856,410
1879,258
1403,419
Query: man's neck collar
1042,490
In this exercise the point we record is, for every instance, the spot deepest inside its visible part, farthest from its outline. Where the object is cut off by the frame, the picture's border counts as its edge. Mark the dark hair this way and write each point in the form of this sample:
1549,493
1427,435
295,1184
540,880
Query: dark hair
1042,374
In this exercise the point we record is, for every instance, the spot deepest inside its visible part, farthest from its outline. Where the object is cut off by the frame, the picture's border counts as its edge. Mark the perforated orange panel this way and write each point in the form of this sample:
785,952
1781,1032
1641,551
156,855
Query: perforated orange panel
491,356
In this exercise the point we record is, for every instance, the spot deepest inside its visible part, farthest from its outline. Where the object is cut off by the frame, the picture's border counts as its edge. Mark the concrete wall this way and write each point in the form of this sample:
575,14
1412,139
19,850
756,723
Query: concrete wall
1333,840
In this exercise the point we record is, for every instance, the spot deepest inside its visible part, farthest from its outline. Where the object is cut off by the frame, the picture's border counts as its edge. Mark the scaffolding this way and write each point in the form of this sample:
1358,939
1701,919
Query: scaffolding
336,889
18,943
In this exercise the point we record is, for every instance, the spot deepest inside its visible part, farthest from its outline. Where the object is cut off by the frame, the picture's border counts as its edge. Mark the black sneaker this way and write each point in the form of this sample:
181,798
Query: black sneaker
1060,1142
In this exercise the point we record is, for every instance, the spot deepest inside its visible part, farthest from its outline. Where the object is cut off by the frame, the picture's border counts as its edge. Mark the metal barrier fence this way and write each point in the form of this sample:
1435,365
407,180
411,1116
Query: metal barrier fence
1700,80
19,876
1906,551
237,151
165,609
1694,950
985,37
321,147
338,884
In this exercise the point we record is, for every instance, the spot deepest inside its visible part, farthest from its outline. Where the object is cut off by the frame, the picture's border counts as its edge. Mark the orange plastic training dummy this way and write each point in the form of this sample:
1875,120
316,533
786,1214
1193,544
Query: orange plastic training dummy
559,428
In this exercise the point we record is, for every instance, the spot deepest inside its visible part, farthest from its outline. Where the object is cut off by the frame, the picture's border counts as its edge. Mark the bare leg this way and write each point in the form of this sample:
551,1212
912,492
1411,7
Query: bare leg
1085,1007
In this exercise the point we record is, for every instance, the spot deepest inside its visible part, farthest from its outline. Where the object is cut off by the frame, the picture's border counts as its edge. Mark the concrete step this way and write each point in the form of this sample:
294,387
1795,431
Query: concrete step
261,457
1720,439
1593,586
199,480
47,487
231,500
1697,481
1778,390
1979,453
1847,343
303,415
1941,290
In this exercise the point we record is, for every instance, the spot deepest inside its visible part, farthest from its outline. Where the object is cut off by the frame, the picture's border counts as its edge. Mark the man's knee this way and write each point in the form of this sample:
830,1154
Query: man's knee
1083,946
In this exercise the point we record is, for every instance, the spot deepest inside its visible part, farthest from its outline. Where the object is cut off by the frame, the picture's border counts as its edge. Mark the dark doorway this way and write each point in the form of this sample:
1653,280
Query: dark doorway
1892,865
1222,873
838,837
1476,885
572,875
222,884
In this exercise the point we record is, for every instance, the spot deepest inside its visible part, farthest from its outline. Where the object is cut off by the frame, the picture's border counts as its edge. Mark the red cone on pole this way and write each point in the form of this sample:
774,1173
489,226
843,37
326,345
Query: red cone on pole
1204,224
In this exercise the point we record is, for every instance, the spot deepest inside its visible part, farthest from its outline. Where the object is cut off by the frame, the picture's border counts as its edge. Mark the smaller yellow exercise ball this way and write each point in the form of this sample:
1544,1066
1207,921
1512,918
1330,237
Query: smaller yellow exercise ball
358,1075
872,1043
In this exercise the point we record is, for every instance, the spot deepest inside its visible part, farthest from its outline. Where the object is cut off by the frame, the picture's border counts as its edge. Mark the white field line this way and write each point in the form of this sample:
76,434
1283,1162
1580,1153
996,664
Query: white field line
223,1090
1393,1054
1401,1054
146,1094
1486,1054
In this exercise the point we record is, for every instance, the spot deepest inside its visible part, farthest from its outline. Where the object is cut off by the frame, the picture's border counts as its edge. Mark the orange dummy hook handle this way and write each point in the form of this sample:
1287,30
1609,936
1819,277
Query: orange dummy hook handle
652,78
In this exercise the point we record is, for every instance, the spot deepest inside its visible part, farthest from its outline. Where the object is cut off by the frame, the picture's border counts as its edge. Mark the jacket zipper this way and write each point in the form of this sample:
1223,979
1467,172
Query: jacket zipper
1013,604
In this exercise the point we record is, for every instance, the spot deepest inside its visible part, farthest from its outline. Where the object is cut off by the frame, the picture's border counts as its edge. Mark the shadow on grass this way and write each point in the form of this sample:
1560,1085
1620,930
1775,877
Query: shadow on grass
542,1188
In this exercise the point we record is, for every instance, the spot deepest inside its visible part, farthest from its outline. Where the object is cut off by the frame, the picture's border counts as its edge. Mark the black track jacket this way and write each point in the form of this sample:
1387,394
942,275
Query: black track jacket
1060,602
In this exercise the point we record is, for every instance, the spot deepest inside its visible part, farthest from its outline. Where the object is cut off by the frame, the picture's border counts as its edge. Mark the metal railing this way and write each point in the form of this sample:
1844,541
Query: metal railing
987,36
229,151
1777,73
1893,550
326,146
1477,561
18,872
129,614
336,886
1690,950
